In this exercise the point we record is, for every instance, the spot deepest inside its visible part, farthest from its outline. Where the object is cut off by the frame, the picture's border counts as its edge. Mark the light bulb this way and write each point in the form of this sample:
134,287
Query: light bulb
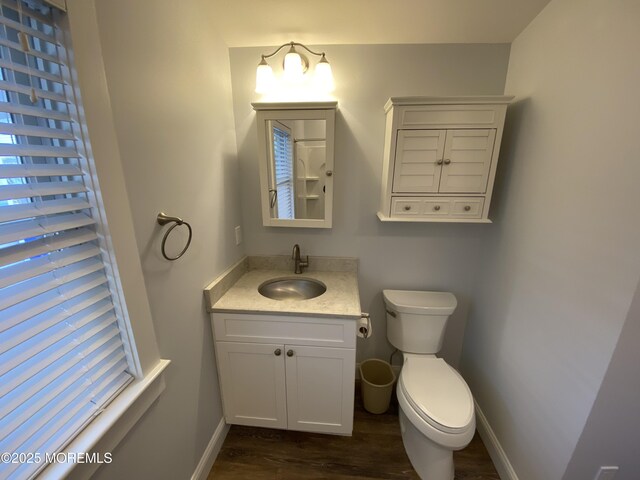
293,67
324,76
264,77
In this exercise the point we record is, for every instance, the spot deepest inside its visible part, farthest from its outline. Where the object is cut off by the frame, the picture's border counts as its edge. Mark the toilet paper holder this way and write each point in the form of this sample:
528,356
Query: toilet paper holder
364,325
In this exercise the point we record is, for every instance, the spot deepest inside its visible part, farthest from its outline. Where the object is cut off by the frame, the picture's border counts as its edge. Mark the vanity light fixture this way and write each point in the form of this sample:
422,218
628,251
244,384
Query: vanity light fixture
295,65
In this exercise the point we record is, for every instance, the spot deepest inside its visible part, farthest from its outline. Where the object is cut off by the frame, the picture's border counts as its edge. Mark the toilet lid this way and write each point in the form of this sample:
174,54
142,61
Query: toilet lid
437,393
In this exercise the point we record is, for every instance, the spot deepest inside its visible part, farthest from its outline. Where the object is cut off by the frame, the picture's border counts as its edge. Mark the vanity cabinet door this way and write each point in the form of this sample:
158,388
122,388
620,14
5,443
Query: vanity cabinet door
467,161
320,388
252,378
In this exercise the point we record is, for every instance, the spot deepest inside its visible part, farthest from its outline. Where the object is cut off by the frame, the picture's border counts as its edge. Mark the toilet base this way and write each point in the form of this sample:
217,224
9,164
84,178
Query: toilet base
429,460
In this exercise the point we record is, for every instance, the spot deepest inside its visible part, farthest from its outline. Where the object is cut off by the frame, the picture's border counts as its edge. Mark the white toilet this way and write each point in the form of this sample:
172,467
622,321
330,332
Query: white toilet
436,406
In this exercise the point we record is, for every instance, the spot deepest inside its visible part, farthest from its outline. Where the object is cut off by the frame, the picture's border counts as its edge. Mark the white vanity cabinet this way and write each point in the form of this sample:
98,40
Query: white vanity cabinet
440,158
289,372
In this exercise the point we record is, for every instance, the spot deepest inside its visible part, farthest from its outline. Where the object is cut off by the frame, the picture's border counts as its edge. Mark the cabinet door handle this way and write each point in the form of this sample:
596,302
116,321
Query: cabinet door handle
278,352
407,207
329,173
439,162
290,353
447,161
436,208
467,208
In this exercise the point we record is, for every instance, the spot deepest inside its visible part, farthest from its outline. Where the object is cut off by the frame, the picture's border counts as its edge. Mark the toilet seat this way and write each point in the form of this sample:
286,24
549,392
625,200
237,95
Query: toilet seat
437,394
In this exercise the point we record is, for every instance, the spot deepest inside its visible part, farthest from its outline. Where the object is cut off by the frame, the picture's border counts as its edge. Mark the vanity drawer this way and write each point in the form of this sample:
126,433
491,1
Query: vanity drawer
250,328
437,207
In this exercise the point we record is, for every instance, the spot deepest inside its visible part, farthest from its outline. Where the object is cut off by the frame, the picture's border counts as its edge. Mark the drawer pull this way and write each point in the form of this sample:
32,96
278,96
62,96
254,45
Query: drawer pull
447,161
436,208
290,353
439,162
407,207
467,208
278,352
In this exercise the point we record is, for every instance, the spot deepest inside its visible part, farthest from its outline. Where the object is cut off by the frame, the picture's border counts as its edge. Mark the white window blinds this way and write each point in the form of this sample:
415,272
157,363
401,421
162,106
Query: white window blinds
283,159
62,358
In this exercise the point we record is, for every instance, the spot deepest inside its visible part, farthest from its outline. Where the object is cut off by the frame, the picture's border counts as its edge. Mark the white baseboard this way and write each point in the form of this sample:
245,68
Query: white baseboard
211,452
496,452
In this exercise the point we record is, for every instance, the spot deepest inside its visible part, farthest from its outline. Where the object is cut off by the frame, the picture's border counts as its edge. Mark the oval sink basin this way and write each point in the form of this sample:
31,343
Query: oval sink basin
292,288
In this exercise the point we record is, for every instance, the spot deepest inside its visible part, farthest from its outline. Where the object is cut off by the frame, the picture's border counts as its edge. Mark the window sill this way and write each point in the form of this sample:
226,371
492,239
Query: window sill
107,430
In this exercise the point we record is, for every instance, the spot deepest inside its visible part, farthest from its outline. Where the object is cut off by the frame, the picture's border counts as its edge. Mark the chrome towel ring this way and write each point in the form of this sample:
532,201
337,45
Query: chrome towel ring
163,219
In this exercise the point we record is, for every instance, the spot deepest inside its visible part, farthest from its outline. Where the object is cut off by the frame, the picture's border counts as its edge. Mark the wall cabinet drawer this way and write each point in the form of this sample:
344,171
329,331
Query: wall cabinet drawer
467,207
406,207
435,207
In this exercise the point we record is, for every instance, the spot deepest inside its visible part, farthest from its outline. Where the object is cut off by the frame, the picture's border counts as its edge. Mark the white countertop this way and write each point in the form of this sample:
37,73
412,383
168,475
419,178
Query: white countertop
341,299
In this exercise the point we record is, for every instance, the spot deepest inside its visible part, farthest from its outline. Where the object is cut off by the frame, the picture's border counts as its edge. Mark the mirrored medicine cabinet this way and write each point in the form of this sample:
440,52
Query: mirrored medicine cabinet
295,154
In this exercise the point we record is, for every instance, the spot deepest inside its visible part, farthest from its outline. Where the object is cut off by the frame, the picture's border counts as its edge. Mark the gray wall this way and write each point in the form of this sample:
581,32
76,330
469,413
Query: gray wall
168,76
561,263
612,432
401,256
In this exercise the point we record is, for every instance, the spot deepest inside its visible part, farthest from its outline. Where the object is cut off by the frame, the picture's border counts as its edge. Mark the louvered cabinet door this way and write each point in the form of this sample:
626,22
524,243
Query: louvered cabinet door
467,161
418,161
252,377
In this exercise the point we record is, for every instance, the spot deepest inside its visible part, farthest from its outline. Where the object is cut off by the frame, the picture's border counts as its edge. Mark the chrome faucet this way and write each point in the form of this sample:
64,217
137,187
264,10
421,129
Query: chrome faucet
299,263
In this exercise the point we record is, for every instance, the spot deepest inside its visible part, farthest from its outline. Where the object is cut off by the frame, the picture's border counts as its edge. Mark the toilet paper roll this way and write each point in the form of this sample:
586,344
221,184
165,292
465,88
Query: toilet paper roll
364,326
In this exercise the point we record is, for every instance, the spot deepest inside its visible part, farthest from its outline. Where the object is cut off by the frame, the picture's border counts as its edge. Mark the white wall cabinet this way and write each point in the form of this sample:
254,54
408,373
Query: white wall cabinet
440,158
287,372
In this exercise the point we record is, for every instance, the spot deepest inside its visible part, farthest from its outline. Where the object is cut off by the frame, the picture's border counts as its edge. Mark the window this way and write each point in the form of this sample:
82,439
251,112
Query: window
283,161
63,357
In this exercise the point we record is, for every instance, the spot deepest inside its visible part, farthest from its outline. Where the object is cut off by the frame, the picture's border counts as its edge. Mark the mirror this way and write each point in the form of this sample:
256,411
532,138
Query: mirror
295,143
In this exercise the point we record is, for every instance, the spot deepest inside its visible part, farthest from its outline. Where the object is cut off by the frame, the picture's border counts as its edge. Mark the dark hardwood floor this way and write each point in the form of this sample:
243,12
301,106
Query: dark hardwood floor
375,451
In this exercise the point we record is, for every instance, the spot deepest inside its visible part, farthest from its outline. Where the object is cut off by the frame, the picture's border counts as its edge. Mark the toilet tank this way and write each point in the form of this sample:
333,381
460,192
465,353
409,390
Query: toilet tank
416,321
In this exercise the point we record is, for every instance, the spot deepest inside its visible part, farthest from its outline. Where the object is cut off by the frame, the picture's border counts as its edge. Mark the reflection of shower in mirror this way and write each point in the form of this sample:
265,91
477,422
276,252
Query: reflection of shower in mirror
310,154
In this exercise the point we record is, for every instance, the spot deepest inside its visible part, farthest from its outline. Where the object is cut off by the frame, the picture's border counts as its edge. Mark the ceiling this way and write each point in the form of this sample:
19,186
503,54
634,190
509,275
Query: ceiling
244,23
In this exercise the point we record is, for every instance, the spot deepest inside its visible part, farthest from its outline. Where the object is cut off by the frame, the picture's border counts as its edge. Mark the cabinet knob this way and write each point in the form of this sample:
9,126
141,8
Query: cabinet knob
407,207
439,162
329,173
447,161
467,208
436,208
290,353
278,352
